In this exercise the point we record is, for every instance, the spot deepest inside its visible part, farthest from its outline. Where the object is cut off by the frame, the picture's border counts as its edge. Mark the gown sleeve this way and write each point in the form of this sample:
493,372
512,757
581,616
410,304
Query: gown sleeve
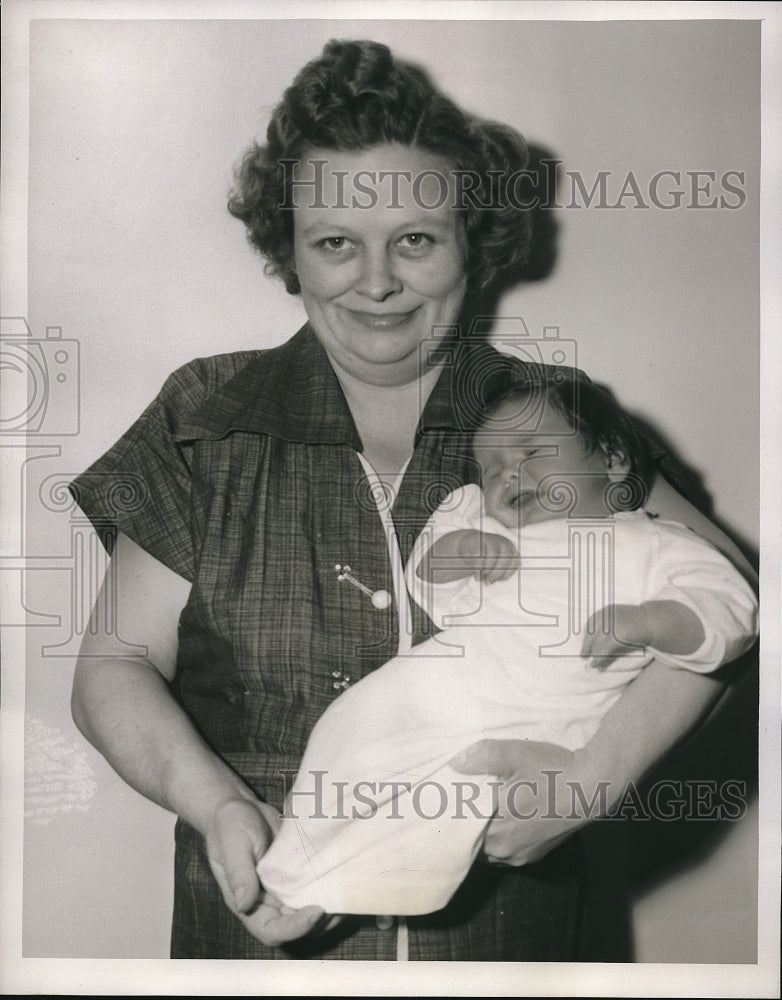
691,571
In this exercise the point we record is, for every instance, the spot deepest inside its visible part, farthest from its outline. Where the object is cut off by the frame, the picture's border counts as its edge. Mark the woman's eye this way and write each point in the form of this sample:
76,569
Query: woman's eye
334,243
415,241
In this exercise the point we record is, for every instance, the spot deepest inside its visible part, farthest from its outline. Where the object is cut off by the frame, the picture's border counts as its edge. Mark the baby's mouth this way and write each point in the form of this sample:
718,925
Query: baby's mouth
517,499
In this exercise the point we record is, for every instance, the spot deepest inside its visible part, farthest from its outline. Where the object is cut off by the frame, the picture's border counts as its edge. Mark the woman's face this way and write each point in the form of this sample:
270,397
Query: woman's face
379,269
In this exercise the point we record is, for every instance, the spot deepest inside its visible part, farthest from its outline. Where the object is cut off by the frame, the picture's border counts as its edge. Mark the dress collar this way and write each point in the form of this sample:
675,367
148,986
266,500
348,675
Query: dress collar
292,393
288,392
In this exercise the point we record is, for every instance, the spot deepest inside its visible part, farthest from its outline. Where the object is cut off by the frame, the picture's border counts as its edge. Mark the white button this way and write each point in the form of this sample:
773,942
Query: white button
384,923
381,599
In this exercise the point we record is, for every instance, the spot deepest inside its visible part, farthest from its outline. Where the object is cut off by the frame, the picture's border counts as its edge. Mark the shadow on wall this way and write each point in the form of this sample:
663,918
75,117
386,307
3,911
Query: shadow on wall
680,815
687,806
689,482
703,787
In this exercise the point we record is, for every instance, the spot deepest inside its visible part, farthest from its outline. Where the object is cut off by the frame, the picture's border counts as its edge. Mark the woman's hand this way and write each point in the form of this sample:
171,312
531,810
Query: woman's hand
124,707
238,837
534,806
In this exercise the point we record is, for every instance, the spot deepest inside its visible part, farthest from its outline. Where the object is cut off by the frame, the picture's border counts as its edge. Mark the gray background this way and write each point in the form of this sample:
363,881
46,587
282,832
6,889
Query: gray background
134,126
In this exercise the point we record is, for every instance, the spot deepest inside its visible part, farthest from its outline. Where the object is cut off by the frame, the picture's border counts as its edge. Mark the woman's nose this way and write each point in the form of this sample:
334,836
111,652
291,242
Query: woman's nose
377,279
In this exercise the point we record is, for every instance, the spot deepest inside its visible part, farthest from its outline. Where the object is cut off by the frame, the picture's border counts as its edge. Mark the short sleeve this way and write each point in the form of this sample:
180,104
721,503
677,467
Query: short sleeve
692,572
141,486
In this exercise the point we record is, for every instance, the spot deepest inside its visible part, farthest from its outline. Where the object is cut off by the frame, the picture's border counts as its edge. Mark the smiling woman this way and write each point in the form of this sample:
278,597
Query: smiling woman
263,469
378,282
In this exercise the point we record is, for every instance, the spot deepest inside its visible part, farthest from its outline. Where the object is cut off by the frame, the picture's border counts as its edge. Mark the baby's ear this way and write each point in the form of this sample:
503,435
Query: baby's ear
618,464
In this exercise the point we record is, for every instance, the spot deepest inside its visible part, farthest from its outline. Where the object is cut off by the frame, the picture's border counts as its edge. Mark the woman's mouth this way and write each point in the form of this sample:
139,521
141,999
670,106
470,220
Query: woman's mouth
382,320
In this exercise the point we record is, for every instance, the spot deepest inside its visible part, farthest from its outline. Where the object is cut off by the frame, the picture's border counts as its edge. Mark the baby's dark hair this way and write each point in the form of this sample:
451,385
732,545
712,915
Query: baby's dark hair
594,414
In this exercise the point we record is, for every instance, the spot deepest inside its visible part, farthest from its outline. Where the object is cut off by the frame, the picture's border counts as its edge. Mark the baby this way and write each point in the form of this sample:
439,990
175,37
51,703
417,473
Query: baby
553,596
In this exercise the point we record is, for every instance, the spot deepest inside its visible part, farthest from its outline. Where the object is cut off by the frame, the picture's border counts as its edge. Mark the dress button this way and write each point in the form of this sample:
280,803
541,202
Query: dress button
381,599
384,923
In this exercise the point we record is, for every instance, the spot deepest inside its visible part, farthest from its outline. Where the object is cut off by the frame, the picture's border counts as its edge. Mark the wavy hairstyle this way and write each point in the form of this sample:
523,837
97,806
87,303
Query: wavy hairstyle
356,96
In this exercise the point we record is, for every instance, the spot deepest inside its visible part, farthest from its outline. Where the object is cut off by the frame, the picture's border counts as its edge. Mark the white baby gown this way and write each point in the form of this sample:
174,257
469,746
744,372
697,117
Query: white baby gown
377,822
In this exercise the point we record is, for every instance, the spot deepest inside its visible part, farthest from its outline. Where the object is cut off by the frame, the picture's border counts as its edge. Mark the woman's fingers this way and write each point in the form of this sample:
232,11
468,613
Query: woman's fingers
275,924
239,835
329,921
508,845
483,757
505,758
523,829
239,893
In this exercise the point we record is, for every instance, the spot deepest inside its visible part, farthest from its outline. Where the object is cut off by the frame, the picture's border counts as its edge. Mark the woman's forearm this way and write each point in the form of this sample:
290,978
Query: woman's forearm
124,705
659,709
125,709
664,704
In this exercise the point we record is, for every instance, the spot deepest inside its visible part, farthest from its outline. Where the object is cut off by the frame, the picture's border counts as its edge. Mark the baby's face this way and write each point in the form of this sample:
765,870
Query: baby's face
539,474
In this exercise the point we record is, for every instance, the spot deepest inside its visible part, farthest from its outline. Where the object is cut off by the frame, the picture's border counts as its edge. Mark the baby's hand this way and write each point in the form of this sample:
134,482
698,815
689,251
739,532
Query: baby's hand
613,631
468,552
497,560
621,629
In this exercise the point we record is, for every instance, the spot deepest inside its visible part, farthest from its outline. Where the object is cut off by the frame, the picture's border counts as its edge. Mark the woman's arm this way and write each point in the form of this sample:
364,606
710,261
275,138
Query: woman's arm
124,707
123,704
670,504
658,710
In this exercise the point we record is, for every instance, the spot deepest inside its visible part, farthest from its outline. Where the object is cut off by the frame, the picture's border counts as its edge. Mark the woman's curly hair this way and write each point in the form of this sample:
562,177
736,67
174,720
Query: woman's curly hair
356,96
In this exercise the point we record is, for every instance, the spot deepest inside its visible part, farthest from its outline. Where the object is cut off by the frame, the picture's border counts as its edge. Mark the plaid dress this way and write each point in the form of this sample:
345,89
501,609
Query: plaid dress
243,477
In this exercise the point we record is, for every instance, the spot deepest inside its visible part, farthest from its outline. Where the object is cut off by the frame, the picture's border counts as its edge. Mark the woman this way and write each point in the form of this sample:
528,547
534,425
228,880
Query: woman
256,474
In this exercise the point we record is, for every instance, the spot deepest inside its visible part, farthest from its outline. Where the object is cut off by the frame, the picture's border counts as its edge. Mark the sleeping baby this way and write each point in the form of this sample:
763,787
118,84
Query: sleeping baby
554,589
